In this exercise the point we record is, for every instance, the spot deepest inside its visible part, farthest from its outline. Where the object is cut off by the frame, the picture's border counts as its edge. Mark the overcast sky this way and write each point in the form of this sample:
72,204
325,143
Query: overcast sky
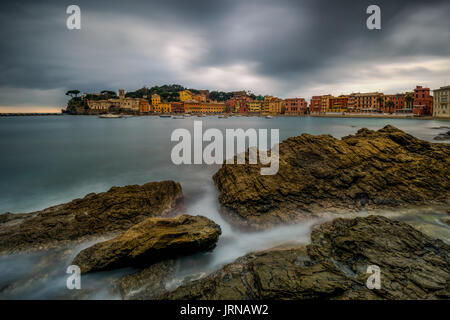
283,48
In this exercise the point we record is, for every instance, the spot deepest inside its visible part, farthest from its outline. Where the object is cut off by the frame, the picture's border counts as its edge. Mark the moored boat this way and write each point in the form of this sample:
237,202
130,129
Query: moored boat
110,116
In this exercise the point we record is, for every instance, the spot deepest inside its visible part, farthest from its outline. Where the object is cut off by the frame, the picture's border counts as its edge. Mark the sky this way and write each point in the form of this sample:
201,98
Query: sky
284,48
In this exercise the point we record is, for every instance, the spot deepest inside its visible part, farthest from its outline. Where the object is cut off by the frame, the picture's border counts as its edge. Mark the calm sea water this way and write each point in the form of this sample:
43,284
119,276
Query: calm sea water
50,160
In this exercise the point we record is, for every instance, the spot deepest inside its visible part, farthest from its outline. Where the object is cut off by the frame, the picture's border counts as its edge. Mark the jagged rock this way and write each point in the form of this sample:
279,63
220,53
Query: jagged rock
446,221
371,169
155,280
94,215
149,282
443,136
150,241
334,266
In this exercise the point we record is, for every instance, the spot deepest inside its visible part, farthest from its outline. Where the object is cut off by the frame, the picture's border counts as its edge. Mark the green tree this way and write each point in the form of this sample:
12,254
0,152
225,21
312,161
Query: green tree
380,100
390,106
108,94
409,100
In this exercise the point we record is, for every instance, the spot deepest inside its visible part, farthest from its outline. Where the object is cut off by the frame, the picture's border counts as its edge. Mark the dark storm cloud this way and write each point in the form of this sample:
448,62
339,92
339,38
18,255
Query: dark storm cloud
271,47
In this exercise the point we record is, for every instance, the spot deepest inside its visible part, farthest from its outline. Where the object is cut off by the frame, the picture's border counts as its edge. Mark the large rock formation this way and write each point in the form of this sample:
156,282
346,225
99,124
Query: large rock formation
104,213
334,266
150,241
371,169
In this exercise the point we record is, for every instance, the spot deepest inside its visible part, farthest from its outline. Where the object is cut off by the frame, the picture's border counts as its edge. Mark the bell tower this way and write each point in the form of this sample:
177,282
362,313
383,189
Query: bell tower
121,94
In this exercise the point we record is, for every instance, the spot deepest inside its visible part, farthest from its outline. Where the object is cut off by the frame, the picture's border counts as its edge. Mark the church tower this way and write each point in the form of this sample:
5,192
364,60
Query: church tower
121,94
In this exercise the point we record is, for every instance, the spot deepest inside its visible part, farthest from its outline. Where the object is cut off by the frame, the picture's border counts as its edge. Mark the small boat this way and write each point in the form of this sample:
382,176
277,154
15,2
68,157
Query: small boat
187,114
269,117
223,117
165,116
178,117
110,116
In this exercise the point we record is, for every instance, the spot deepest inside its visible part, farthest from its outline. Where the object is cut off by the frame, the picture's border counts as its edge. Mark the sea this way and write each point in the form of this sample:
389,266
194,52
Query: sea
49,160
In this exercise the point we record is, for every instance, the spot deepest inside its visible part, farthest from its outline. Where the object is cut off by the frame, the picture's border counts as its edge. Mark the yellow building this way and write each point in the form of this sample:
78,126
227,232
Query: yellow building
325,102
166,107
162,107
265,104
275,106
156,99
204,107
254,106
186,95
338,104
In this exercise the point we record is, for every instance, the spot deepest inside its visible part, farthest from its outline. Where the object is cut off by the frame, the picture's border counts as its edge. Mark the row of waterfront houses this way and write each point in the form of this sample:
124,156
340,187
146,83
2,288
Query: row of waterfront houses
418,102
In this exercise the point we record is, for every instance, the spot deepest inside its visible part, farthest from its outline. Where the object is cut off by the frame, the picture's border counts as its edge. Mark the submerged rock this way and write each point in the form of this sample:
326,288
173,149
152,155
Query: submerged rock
443,136
150,241
334,266
371,169
94,215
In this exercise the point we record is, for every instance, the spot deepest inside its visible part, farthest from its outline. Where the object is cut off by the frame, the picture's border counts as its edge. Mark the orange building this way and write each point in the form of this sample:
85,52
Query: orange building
393,103
144,106
423,101
368,102
315,105
295,106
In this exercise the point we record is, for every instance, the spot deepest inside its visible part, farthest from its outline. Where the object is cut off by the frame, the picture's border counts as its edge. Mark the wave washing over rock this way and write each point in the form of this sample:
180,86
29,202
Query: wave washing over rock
371,169
334,265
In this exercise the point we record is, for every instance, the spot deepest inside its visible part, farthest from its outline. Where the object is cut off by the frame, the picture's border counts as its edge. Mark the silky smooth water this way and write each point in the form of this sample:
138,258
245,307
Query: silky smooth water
50,160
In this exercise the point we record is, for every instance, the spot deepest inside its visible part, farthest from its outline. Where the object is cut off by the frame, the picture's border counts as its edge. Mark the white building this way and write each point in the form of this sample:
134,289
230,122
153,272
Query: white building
441,102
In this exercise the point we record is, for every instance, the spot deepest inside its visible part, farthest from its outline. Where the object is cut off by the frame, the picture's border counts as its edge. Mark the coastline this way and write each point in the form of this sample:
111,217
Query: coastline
373,116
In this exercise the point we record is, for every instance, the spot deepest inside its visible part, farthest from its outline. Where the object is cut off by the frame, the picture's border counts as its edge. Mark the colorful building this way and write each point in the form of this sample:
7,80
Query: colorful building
423,101
275,106
337,104
186,95
254,107
370,102
177,107
204,107
144,106
156,99
441,102
315,105
265,104
295,106
325,102
393,103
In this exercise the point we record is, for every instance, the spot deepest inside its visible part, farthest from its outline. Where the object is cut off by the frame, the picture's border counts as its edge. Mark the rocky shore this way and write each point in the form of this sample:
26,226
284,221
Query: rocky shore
144,227
387,168
443,136
334,266
95,215
150,241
